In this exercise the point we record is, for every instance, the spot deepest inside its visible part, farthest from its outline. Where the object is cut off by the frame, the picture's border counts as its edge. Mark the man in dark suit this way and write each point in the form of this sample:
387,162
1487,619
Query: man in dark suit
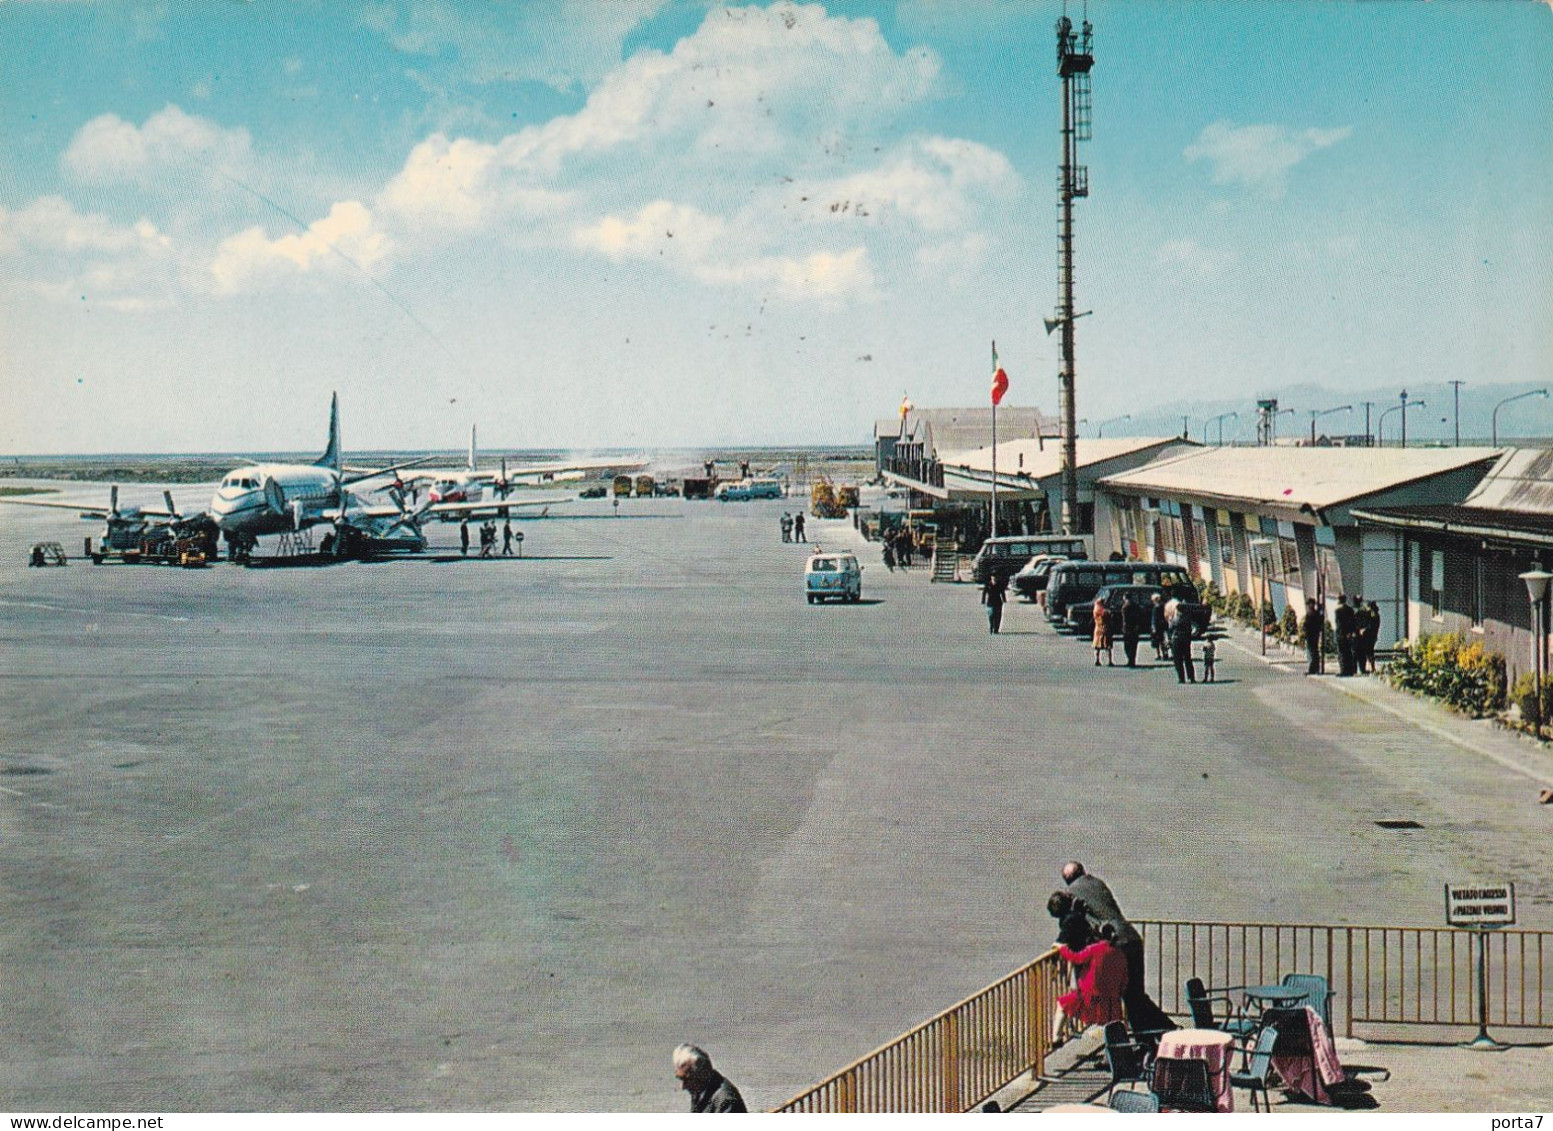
1347,625
1145,1017
1134,621
1313,626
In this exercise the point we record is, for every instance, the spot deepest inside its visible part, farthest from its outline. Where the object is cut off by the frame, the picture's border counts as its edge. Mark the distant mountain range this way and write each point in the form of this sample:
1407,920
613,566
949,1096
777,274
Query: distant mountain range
1528,420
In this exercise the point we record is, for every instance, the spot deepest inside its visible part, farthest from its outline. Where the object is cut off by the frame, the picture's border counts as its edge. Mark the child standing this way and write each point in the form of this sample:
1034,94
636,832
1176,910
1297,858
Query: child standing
1209,653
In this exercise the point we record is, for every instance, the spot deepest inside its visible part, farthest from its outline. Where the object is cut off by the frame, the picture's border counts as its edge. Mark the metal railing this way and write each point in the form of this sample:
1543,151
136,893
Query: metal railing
1380,977
953,1061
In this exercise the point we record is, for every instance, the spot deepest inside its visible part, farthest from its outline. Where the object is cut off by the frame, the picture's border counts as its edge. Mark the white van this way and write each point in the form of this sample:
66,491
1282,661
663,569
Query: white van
832,577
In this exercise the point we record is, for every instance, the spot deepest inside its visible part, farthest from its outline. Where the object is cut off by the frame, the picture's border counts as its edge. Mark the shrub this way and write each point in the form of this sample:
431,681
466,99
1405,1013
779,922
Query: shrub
1460,673
1524,696
1289,625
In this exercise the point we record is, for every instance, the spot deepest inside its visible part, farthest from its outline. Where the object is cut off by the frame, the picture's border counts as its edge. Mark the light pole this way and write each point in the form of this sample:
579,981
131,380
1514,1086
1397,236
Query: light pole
1100,428
1404,407
1315,413
1369,437
1456,396
1543,393
1537,590
1259,548
1219,420
1380,426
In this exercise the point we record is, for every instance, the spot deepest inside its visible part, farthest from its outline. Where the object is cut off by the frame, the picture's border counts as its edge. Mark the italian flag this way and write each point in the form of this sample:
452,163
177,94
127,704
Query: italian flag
999,378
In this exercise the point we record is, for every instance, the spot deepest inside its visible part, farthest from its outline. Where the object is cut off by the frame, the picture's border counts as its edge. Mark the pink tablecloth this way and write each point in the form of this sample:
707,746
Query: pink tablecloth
1295,1071
1210,1045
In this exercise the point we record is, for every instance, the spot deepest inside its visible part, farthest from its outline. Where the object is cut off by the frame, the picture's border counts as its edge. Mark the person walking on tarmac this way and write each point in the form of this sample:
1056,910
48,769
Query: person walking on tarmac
798,534
463,538
994,594
506,538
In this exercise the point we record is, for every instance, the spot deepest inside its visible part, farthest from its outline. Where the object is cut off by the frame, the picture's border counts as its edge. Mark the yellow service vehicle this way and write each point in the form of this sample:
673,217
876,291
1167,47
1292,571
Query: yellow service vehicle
644,486
623,485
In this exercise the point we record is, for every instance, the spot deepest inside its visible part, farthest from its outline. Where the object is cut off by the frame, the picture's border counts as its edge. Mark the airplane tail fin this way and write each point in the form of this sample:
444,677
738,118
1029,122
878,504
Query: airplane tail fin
332,456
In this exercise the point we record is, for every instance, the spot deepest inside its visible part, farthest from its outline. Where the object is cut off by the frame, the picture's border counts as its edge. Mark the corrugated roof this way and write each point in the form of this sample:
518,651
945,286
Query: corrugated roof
1521,481
1038,459
958,429
1317,477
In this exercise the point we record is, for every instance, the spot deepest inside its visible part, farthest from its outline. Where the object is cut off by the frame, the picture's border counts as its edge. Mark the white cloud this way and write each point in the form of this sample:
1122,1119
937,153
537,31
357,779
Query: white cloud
937,183
710,250
1258,156
66,255
559,42
1188,259
110,150
462,184
52,224
251,257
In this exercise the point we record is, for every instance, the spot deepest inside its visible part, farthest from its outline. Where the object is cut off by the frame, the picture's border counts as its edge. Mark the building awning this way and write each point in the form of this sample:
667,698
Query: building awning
1519,528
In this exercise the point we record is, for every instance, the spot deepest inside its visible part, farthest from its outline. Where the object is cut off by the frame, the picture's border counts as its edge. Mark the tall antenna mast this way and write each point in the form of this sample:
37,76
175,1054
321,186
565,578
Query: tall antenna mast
1074,59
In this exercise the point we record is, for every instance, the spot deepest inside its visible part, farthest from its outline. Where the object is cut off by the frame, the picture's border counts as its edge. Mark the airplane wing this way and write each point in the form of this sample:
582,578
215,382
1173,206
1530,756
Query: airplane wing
87,510
492,508
360,474
551,470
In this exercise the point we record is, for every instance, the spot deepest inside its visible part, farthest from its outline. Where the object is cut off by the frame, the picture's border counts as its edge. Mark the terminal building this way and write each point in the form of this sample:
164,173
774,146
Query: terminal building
1279,523
1462,561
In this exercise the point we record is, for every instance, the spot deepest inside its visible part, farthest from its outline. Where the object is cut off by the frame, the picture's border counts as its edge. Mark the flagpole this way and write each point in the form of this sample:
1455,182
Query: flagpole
994,447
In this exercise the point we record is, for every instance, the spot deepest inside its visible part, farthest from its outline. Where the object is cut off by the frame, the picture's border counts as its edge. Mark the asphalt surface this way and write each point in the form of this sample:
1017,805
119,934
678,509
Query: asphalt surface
461,835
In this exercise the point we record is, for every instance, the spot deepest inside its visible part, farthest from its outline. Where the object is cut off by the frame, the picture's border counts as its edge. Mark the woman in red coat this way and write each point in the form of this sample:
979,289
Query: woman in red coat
1102,975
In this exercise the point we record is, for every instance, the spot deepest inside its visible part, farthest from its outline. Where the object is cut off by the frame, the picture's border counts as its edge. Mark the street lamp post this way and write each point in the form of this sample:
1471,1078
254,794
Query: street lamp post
1543,393
1537,590
1100,428
1404,406
1456,399
1316,413
1219,420
1259,548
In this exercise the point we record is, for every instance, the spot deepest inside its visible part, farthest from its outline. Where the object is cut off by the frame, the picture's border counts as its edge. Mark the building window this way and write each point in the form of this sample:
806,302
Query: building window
1226,541
1289,551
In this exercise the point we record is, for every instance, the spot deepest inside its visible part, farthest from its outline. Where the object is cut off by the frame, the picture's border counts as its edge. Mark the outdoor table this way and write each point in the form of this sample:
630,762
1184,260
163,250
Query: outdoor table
1275,997
1211,1045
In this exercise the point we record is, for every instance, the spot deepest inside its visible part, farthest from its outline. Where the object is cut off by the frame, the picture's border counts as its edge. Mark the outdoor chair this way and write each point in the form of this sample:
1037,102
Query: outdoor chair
1318,994
1294,1039
1201,1000
1183,1084
1259,1062
1140,1103
1128,1063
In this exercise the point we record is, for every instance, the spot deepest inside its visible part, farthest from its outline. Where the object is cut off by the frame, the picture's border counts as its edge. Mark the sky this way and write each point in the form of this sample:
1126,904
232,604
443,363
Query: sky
630,224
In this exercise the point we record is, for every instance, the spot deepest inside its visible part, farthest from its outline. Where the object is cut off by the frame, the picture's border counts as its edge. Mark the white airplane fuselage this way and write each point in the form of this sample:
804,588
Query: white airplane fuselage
272,498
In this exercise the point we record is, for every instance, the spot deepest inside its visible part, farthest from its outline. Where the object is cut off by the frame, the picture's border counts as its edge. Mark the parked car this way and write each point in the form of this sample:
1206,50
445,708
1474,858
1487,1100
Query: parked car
1030,582
745,489
832,577
1071,586
1002,557
1200,615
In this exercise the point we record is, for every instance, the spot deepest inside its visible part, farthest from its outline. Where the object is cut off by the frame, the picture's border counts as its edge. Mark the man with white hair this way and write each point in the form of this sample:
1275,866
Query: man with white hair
709,1090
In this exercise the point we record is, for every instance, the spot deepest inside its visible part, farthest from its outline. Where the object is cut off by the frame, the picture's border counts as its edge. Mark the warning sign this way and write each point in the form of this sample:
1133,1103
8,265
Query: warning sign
1480,904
